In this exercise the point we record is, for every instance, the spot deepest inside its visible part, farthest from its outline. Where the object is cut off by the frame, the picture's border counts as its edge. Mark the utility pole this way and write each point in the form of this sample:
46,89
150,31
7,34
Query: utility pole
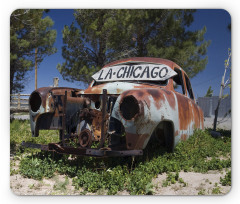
55,81
223,85
36,50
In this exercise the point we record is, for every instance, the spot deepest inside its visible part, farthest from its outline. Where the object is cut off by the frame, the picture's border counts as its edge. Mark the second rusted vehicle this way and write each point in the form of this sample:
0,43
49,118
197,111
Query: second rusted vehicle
129,102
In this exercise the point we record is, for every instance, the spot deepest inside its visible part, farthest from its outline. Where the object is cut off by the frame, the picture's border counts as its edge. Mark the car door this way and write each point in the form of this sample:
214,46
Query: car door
196,112
184,106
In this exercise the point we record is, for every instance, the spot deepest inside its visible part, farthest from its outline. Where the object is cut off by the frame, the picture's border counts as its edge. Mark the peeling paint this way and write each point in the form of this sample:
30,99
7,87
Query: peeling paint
129,128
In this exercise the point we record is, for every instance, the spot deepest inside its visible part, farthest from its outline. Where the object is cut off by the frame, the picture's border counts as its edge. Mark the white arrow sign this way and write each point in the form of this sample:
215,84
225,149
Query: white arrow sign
141,72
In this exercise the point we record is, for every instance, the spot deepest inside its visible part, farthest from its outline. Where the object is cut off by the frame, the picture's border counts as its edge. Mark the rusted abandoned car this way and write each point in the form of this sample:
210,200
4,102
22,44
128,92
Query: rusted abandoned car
128,102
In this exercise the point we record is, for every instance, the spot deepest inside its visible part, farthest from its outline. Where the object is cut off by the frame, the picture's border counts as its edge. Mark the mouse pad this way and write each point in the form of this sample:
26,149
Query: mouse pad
120,102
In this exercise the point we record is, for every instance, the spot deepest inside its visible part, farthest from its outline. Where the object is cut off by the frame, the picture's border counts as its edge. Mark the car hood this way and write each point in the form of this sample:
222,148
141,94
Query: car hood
115,87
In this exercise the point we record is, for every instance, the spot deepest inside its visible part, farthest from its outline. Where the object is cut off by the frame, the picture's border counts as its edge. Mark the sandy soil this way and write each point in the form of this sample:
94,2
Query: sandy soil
25,186
195,183
223,123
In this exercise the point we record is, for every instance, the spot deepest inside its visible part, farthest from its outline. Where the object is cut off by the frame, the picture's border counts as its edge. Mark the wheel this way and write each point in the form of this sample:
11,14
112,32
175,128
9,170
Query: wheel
85,138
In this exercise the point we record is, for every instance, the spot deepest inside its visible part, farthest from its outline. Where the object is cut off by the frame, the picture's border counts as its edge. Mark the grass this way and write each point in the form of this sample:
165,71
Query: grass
202,192
21,113
200,153
216,190
226,181
20,131
61,185
173,178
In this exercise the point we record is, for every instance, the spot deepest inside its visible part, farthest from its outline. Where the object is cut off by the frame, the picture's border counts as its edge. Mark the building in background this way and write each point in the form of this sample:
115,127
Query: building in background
209,104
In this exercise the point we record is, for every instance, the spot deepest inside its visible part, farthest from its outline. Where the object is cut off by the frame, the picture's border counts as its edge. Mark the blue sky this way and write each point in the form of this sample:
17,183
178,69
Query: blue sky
215,20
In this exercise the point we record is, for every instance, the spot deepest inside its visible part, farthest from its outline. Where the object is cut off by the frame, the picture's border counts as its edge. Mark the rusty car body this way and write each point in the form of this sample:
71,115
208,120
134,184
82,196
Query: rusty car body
129,102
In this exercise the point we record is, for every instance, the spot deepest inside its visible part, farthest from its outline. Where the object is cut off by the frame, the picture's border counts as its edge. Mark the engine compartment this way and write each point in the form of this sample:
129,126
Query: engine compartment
83,120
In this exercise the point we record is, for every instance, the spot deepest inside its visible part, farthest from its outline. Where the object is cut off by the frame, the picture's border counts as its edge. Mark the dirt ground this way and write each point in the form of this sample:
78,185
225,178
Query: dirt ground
194,184
25,186
223,123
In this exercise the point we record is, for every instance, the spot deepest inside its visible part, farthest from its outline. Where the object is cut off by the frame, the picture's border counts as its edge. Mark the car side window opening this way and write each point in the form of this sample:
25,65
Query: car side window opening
178,82
189,87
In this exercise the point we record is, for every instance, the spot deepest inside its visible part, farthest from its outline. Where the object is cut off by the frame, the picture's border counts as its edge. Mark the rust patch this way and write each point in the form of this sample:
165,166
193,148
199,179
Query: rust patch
188,112
96,124
184,137
196,116
201,117
176,133
119,91
183,112
125,93
157,97
154,93
135,141
78,100
140,94
94,90
93,97
170,98
44,92
144,86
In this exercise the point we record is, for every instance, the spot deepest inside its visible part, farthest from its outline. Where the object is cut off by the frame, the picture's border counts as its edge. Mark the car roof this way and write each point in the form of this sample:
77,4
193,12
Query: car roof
141,60
153,60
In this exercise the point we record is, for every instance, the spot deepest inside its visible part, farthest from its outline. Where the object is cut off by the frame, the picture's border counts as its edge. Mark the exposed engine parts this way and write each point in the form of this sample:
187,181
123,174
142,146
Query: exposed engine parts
117,115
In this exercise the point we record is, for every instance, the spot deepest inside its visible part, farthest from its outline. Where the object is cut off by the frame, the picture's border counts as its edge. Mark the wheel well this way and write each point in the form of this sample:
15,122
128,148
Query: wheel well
164,134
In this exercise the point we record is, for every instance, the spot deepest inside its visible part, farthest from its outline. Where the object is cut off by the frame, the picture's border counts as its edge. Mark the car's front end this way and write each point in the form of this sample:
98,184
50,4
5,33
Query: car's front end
126,104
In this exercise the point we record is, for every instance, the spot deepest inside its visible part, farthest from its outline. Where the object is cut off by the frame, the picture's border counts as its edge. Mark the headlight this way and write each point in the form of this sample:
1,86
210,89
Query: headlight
129,107
35,101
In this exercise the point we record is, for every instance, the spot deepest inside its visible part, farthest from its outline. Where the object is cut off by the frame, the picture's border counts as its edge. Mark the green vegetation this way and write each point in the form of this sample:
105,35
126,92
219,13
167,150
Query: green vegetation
61,185
209,92
200,153
172,179
226,181
31,40
202,192
37,168
20,131
216,190
13,170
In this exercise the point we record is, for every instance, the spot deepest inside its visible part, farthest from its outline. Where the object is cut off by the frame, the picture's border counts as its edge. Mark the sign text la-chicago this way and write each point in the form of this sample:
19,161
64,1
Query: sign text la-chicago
134,72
